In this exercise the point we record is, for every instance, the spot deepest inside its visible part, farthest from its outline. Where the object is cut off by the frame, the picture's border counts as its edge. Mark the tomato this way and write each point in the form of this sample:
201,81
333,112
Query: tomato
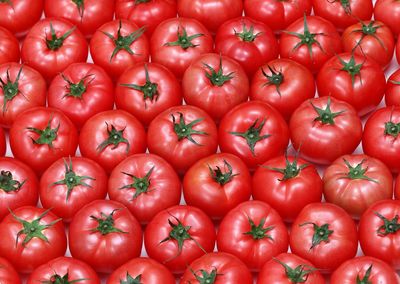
9,46
354,182
117,45
249,42
379,232
178,235
323,129
64,270
31,237
40,136
398,51
22,87
310,41
177,42
51,45
110,136
388,12
288,184
105,235
142,270
216,184
182,135
284,84
392,93
87,15
217,268
147,89
8,274
147,13
255,132
3,143
370,38
215,84
146,184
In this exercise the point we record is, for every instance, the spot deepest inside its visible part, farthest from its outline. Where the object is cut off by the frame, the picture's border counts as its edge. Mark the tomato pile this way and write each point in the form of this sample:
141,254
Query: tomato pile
199,141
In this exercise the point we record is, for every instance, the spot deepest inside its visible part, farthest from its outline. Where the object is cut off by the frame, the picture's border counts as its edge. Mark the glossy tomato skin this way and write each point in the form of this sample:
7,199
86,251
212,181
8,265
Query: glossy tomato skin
110,136
105,235
63,46
26,255
40,136
177,54
150,271
228,269
218,89
60,267
146,184
288,184
284,84
392,97
8,274
388,12
216,184
274,271
179,221
150,100
9,47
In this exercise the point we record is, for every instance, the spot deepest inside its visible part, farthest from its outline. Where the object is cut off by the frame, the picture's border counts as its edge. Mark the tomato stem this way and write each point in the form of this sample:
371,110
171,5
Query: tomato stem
205,277
258,232
392,129
46,136
276,78
326,116
366,277
106,223
184,130
56,42
137,2
352,68
81,7
217,78
10,88
77,90
357,172
115,137
247,35
368,30
141,185
57,279
291,170
131,280
184,41
321,233
219,176
8,184
299,274
389,226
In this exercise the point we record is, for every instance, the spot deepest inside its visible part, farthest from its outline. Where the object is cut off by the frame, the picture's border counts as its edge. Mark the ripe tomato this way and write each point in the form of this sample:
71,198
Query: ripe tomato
8,274
40,136
288,184
105,235
354,182
110,136
142,270
117,45
217,268
9,46
31,237
22,87
64,270
354,79
146,184
388,12
147,89
177,42
178,235
284,84
215,84
53,44
310,41
323,129
81,91
392,93
255,132
216,184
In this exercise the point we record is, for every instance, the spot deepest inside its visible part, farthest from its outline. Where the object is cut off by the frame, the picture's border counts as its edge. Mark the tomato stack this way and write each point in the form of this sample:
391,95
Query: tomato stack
199,141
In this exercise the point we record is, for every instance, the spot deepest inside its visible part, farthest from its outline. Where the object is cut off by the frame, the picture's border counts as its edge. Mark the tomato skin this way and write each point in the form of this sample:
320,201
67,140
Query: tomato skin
61,266
397,188
168,92
8,274
388,12
392,97
164,188
3,143
398,51
150,271
9,47
203,92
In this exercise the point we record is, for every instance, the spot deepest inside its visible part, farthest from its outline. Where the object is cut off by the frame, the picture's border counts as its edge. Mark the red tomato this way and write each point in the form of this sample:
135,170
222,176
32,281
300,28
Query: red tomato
147,89
142,270
8,274
388,12
284,84
370,38
249,42
288,268
310,41
398,51
31,237
146,184
216,184
117,45
287,184
177,42
53,44
9,46
40,136
392,93
215,84
110,136
178,235
64,270
323,129
105,235
217,268
3,143
182,135
353,79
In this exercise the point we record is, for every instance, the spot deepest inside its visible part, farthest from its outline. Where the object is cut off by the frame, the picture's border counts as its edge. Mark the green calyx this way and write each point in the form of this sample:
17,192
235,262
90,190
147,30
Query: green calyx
326,116
392,129
76,90
106,224
276,78
222,177
351,68
141,185
56,42
321,233
217,78
46,136
291,170
258,232
205,277
357,172
185,131
184,41
389,226
345,5
58,279
299,274
8,184
365,279
115,137
10,88
6,1
131,280
368,30
81,6
247,35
